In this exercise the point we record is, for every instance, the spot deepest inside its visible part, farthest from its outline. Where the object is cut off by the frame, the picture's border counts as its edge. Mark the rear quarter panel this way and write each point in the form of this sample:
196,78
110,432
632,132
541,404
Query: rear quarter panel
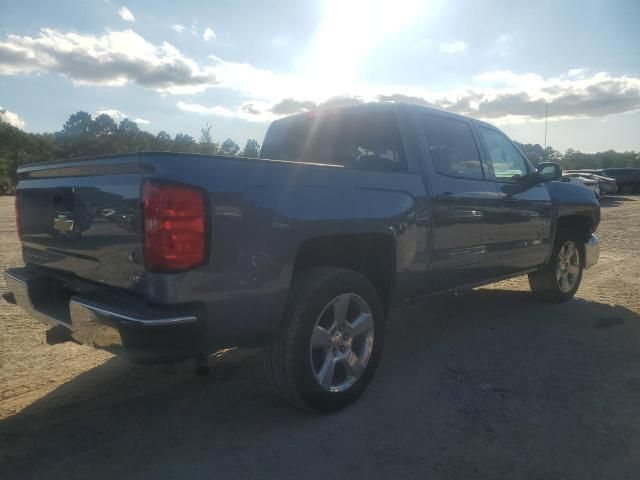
262,212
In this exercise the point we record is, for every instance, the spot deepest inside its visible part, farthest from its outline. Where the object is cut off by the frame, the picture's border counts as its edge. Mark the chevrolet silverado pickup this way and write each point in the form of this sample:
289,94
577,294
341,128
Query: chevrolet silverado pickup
168,256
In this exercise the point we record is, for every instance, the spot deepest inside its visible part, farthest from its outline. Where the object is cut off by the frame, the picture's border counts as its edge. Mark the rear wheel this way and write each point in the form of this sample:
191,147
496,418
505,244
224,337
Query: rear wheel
559,279
331,341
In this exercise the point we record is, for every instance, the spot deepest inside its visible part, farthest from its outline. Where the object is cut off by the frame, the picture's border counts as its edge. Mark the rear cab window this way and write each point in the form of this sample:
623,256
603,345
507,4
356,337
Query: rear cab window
363,140
452,147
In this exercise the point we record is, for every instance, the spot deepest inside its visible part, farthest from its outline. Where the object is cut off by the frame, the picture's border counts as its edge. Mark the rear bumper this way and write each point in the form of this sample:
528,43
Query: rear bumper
592,251
109,319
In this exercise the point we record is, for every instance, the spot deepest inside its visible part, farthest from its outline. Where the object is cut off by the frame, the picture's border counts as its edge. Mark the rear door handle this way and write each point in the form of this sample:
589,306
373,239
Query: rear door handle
447,197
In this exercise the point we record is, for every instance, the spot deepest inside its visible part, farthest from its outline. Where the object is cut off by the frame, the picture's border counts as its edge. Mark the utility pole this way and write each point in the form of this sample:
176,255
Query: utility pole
546,116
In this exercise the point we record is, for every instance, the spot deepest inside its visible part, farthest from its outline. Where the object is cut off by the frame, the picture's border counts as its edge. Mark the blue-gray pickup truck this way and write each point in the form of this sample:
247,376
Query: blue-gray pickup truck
168,256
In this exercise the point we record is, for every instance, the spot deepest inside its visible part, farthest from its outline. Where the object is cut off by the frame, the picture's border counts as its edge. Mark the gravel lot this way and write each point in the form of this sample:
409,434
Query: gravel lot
486,384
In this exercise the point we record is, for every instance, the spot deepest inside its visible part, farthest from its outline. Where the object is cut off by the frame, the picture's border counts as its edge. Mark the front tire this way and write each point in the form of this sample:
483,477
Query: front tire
330,342
559,279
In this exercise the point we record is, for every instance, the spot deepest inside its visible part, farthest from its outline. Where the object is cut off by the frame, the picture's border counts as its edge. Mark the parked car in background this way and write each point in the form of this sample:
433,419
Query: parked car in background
628,179
578,179
605,184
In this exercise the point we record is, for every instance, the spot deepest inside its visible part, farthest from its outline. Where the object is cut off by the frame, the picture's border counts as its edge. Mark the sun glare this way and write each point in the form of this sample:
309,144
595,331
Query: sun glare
347,34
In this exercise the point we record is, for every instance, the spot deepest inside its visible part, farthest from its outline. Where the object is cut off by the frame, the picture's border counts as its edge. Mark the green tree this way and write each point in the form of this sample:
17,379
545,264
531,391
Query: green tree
183,143
79,123
206,143
162,141
75,136
251,149
229,147
102,128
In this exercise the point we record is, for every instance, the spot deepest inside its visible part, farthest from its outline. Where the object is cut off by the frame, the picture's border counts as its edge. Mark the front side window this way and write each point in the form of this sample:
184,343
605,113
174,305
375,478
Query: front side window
452,147
364,141
507,162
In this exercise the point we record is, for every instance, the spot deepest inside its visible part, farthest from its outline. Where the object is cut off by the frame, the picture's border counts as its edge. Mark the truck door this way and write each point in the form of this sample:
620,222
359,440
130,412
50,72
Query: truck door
467,209
525,235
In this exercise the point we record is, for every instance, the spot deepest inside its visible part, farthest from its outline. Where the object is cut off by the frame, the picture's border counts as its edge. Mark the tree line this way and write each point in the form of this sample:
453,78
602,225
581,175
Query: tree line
82,135
575,159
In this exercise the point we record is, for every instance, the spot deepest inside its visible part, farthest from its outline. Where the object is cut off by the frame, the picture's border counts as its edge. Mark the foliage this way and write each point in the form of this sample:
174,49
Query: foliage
229,147
83,136
573,159
251,149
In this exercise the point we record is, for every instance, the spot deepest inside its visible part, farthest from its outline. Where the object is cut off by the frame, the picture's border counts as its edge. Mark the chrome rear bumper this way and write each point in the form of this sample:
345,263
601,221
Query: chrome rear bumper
106,319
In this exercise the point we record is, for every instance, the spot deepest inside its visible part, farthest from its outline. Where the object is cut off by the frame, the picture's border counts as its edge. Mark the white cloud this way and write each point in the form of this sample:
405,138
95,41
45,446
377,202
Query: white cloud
194,30
251,111
209,34
12,118
117,115
178,28
126,14
453,48
502,97
577,72
114,59
118,58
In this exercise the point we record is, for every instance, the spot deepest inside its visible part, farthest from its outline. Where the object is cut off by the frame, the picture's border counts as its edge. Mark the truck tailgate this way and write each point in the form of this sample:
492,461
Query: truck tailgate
84,217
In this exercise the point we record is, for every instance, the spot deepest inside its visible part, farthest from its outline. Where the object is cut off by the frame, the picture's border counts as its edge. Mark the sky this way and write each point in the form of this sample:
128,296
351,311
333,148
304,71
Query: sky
238,65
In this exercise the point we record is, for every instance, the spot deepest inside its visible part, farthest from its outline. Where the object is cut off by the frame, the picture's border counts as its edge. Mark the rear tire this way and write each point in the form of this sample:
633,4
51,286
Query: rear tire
316,361
559,279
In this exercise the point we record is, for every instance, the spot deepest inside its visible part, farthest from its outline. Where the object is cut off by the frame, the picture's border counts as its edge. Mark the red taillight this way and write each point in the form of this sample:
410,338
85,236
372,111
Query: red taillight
16,201
174,226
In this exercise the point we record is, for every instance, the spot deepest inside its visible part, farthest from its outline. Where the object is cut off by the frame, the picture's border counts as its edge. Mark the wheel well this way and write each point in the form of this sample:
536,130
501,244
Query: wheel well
371,255
576,223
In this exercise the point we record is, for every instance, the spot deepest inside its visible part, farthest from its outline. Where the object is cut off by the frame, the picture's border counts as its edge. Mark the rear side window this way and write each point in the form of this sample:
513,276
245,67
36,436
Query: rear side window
452,147
365,141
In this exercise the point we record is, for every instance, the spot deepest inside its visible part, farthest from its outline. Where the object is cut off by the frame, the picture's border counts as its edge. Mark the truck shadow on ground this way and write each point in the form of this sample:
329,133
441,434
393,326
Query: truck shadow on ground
488,383
616,200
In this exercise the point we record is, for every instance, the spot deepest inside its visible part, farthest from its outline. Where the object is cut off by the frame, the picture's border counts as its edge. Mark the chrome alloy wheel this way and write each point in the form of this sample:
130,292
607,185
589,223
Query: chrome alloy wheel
568,266
342,342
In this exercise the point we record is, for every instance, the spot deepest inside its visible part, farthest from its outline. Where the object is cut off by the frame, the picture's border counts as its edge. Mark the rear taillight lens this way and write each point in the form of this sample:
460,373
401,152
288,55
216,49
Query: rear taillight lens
174,226
16,200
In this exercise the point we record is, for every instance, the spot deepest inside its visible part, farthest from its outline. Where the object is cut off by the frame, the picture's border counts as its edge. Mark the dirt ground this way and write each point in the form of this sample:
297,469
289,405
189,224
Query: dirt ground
486,384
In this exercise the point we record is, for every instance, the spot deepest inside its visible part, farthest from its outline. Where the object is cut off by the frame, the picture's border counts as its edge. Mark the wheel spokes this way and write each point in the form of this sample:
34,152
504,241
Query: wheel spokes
570,250
320,338
362,324
341,308
564,283
353,365
327,371
341,342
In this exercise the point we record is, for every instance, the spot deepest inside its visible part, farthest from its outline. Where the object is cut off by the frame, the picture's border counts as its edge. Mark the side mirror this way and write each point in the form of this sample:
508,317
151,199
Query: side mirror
549,171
